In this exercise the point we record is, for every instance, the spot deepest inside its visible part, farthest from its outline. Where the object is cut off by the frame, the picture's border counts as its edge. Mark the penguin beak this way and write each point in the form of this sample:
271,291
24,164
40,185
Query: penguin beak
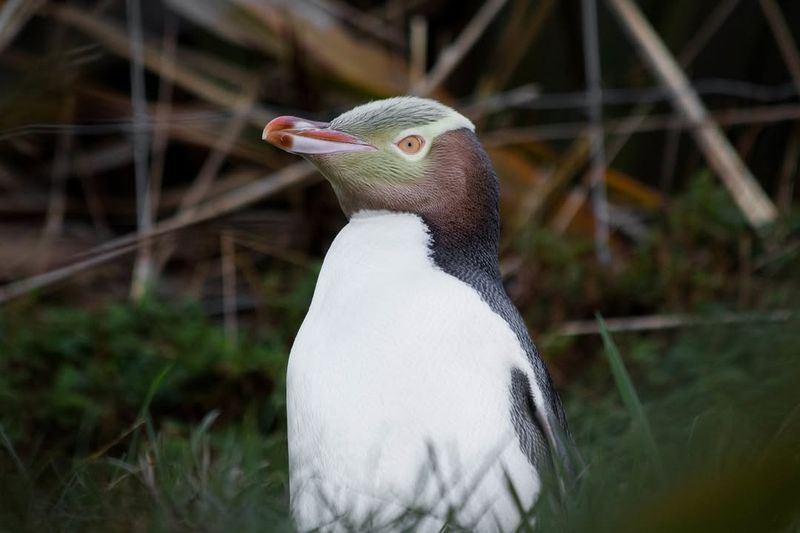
303,137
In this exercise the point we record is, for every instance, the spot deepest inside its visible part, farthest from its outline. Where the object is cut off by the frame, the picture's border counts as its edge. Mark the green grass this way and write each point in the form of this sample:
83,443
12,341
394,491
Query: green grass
630,398
722,454
706,440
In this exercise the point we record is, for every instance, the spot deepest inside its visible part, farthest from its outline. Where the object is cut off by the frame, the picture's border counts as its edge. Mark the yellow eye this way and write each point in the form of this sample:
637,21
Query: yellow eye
411,144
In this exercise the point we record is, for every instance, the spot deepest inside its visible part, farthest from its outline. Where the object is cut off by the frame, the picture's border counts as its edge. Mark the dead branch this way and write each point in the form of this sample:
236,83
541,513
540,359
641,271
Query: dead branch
665,322
115,39
756,206
14,14
644,123
266,186
228,258
143,267
591,53
783,37
451,56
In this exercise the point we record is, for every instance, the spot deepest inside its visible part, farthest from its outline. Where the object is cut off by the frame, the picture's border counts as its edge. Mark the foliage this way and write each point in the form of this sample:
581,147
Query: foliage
67,368
724,417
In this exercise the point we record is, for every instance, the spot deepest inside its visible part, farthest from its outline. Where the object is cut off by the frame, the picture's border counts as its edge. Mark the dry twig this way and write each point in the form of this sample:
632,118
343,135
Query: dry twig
625,127
783,37
115,39
228,258
664,322
266,186
591,53
451,56
143,267
14,14
756,206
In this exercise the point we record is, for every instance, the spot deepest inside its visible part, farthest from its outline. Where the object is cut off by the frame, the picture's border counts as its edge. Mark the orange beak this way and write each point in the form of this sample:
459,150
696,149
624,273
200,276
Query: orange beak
301,136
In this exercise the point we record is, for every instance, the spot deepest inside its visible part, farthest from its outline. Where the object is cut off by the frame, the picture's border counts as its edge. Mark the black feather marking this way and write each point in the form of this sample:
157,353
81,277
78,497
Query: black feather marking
531,435
466,247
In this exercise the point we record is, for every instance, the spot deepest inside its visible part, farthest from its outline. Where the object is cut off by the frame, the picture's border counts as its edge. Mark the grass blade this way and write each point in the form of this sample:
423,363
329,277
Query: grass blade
9,446
629,396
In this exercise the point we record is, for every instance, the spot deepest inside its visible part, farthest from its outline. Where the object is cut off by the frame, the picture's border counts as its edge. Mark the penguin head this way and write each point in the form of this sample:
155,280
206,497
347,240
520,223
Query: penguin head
402,154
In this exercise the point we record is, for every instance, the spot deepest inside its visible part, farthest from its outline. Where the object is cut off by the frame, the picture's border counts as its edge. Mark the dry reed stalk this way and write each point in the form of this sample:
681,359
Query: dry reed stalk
418,42
644,123
143,266
228,259
14,14
670,321
114,38
747,193
451,56
594,107
289,176
783,38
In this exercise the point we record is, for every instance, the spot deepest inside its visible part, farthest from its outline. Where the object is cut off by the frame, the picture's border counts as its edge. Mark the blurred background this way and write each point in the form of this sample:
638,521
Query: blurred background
157,258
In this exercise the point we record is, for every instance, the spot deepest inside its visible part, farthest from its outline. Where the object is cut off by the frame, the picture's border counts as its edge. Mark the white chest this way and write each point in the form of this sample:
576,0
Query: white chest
399,373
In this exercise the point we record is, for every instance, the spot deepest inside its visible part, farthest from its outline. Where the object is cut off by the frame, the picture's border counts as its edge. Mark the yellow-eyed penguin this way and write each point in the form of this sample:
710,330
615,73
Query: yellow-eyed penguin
413,383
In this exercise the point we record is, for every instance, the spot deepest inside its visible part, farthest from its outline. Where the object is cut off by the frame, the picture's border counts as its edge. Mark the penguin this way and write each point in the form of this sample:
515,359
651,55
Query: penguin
413,386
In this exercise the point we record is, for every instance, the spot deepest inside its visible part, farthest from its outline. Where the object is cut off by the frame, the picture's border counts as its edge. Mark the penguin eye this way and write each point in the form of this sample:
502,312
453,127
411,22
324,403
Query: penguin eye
411,144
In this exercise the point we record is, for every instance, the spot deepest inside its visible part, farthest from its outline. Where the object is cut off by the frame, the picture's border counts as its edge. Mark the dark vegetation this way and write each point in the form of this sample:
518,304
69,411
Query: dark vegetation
155,401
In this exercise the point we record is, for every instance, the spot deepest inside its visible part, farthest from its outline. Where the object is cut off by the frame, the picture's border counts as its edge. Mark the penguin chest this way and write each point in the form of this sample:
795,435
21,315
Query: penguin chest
398,391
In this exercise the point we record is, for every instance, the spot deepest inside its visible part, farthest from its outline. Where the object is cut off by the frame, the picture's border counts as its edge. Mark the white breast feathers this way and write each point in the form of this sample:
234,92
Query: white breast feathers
398,391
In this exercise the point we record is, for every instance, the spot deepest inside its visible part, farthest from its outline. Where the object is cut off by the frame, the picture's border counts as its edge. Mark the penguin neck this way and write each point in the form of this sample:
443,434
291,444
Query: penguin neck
401,248
465,229
465,255
457,199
